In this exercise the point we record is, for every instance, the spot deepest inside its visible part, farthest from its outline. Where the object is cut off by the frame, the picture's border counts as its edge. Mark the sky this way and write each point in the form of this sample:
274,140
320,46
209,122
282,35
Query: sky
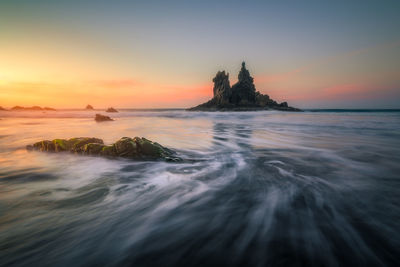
164,54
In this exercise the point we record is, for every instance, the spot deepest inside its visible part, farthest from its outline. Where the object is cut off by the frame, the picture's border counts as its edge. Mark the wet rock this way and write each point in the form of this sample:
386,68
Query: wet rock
77,144
126,147
149,148
100,118
111,110
108,151
89,107
45,145
60,145
93,148
133,148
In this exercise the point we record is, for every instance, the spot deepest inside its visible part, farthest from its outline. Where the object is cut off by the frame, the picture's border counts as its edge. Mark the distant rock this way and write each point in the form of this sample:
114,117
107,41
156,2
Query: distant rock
111,110
3,109
26,108
89,107
100,118
34,108
240,97
134,148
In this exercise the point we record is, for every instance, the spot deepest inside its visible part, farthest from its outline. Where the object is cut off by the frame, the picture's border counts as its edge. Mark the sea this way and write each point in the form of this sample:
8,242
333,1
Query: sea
267,188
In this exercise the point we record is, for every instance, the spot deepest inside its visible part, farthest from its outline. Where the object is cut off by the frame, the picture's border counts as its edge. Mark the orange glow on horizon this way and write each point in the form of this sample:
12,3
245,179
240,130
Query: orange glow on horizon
48,78
125,93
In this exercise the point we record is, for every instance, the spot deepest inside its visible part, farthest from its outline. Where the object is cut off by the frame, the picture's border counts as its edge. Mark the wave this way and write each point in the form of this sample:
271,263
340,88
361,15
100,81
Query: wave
255,189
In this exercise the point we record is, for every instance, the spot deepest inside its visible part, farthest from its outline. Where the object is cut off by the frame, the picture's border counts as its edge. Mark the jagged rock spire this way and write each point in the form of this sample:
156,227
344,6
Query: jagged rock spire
244,91
222,87
244,75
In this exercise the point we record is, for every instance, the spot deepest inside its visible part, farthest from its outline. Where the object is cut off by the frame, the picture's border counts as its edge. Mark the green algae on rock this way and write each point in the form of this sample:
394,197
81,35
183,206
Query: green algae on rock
92,148
133,148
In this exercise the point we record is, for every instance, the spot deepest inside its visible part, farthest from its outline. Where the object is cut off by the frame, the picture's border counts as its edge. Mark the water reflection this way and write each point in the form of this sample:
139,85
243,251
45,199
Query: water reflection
237,134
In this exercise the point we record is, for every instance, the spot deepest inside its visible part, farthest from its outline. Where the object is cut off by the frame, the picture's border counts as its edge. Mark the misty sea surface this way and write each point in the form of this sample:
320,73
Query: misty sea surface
254,189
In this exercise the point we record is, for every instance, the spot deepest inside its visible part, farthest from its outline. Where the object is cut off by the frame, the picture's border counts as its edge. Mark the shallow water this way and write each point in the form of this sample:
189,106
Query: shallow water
258,189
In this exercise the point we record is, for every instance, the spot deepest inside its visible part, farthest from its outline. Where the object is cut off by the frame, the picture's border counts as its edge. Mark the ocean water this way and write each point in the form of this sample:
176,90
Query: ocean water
256,189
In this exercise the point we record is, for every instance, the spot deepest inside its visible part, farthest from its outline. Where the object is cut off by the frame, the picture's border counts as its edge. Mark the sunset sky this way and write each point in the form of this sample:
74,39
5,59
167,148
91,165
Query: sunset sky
163,54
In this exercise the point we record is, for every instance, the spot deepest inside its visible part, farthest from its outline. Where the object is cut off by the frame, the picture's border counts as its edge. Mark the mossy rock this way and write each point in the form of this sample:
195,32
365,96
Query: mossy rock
37,145
126,147
93,148
108,151
133,148
60,145
151,149
77,144
45,145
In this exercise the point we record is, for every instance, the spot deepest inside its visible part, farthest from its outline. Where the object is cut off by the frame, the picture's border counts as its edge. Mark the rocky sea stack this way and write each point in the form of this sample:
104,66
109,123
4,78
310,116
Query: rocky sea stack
240,97
134,148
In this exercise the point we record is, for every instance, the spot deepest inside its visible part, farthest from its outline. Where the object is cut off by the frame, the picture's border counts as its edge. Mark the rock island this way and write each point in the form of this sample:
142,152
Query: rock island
242,96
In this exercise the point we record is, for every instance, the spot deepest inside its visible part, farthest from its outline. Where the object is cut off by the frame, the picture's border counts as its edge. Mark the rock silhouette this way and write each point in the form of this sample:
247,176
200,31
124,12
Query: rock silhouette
111,110
89,107
241,96
100,118
37,108
222,89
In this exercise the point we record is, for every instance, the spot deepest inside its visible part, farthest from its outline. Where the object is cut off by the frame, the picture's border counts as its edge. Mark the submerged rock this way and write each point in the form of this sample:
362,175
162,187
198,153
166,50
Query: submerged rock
100,118
241,96
111,110
126,147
